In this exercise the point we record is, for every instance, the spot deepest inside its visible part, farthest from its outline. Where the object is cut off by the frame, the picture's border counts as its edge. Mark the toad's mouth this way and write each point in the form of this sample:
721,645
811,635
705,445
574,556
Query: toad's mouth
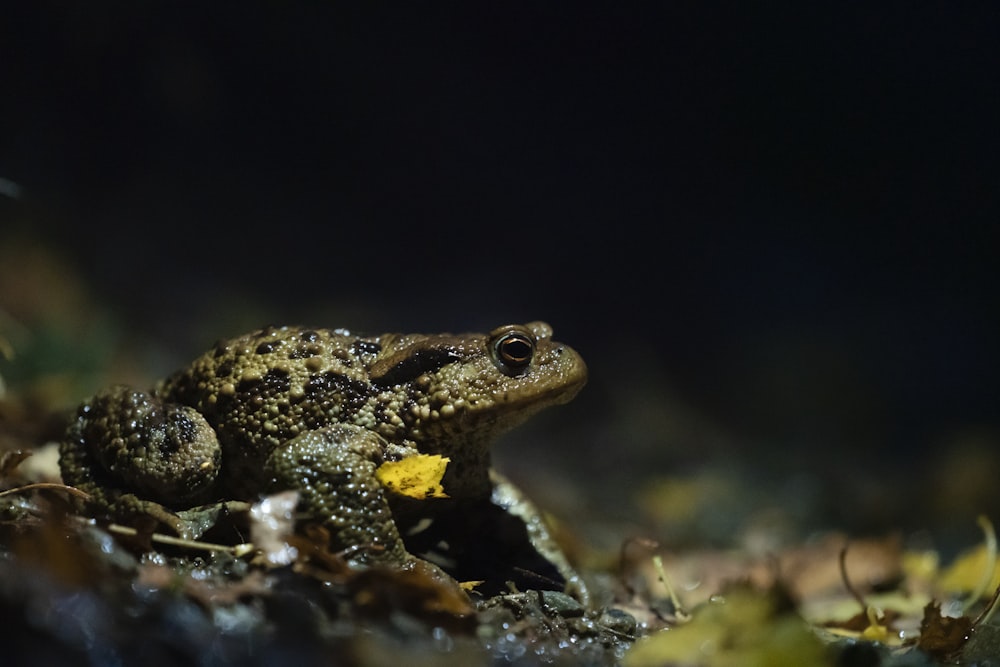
486,417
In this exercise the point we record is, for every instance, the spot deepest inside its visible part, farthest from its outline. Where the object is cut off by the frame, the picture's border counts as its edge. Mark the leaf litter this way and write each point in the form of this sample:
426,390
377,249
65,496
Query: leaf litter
76,591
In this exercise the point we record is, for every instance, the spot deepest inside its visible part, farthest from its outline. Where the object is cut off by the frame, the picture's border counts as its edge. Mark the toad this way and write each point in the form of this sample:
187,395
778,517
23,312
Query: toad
318,411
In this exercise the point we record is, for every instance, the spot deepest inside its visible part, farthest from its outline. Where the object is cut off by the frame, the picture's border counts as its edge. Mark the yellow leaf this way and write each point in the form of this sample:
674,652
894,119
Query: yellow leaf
921,565
876,631
743,628
967,570
417,476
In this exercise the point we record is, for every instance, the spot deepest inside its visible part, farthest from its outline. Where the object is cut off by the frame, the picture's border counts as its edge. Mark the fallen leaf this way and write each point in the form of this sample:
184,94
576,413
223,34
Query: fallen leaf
966,572
419,589
741,627
872,624
272,521
417,476
313,556
942,636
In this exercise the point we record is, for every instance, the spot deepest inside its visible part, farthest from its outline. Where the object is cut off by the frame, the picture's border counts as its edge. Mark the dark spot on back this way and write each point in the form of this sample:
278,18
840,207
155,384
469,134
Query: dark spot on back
249,386
304,352
184,427
322,387
276,381
365,347
323,383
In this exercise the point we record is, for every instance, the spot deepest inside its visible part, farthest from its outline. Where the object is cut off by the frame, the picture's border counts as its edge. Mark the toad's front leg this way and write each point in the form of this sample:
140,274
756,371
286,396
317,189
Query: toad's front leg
333,469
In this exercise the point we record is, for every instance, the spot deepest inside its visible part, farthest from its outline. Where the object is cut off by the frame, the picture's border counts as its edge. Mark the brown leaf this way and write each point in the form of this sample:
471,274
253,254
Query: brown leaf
314,558
419,589
942,637
814,569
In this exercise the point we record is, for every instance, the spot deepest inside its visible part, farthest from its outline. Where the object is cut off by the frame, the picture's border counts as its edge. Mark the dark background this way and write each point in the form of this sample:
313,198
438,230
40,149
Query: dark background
781,219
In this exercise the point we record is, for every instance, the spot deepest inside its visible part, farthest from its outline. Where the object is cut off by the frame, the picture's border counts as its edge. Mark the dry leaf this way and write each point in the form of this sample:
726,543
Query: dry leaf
741,627
416,476
419,589
966,572
272,521
942,636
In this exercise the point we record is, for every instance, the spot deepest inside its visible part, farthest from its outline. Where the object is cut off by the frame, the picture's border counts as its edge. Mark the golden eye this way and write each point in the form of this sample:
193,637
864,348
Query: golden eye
513,350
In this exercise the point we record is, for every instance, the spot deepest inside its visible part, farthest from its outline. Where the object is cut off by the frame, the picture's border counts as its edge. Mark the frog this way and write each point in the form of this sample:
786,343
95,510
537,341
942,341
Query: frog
317,411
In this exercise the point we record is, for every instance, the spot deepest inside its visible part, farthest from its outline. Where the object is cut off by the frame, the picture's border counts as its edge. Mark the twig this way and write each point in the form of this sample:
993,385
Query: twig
986,614
72,490
661,573
237,550
987,577
847,582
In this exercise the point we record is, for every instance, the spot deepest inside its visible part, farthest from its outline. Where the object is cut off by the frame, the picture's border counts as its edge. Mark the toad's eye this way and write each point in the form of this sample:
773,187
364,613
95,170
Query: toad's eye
513,350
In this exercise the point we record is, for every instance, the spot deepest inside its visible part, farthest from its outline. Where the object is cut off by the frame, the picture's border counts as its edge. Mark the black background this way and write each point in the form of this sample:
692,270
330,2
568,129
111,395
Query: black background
782,216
